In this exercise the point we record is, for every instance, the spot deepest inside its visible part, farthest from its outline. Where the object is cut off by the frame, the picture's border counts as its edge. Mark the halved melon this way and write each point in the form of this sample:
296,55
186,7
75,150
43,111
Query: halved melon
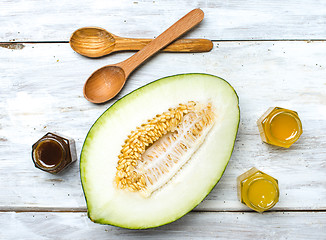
156,153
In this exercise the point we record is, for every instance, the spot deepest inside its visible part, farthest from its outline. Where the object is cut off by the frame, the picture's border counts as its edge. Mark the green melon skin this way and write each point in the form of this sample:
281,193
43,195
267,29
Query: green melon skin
108,205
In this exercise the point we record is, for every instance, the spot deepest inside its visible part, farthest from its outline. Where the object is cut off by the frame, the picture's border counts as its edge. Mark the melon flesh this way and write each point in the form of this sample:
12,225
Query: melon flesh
192,182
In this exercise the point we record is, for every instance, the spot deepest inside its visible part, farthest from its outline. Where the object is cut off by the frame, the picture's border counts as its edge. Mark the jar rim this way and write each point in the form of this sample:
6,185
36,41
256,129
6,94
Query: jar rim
40,163
272,183
279,112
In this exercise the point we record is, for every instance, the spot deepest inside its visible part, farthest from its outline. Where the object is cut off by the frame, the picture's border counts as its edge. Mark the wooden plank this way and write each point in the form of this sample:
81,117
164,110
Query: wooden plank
291,225
41,90
37,20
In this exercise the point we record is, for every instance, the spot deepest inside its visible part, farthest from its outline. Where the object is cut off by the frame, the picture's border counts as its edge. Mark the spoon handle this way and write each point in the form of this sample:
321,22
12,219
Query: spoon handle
180,45
183,25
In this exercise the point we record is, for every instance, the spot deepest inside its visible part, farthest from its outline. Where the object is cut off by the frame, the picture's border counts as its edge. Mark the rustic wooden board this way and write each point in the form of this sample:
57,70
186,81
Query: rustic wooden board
37,20
41,90
222,225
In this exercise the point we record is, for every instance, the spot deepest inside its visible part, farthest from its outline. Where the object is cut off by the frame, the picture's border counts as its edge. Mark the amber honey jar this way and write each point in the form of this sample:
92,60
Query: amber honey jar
53,152
279,126
258,190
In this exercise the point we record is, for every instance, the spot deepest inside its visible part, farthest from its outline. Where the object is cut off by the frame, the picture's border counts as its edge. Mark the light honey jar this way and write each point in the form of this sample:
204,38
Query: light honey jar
258,190
279,126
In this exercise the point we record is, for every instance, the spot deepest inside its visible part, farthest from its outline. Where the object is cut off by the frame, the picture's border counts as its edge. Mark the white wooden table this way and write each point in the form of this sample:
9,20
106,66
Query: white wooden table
272,52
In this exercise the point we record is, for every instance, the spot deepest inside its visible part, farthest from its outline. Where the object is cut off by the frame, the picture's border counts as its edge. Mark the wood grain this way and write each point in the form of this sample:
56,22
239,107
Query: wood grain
38,94
224,20
180,45
291,225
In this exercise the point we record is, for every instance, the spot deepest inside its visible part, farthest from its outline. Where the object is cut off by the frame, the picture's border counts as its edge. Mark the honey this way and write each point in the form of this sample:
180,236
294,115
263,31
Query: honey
53,153
49,153
279,126
258,190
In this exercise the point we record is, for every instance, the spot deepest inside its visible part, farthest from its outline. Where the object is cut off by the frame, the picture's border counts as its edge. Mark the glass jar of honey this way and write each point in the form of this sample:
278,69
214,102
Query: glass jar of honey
279,126
53,152
257,190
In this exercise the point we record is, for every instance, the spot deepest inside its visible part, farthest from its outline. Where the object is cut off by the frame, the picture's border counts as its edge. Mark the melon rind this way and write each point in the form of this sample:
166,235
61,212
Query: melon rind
108,205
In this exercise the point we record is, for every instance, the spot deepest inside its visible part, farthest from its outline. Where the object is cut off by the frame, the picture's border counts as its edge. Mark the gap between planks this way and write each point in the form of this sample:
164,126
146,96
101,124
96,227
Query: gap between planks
216,40
84,210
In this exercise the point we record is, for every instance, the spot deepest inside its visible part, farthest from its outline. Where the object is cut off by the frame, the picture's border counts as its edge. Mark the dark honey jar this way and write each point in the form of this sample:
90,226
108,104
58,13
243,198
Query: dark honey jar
53,152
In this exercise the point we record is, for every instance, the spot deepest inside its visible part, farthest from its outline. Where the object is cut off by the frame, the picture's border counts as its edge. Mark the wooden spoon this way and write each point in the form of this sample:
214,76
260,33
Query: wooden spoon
96,42
107,81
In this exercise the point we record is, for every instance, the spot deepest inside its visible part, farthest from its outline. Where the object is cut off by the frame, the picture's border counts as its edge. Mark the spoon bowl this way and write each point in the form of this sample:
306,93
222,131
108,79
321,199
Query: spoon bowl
106,82
92,41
